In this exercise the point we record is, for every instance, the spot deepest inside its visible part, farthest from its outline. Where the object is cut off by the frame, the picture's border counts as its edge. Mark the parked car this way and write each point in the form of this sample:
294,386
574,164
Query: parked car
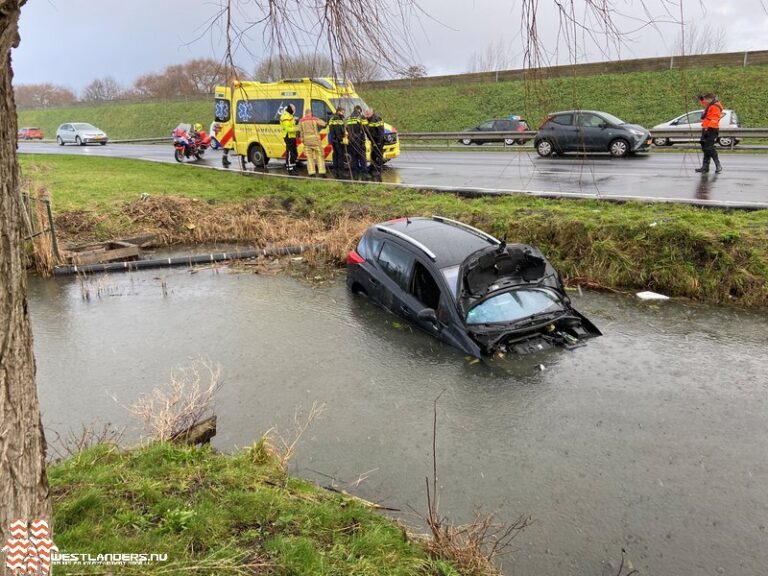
511,124
465,287
30,134
689,125
589,131
80,133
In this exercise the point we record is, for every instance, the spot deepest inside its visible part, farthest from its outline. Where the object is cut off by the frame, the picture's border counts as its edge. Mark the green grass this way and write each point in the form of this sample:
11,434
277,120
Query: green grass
647,98
712,255
214,514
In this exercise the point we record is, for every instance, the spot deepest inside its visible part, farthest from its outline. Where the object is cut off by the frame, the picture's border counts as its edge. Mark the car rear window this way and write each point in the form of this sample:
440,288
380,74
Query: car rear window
563,119
396,263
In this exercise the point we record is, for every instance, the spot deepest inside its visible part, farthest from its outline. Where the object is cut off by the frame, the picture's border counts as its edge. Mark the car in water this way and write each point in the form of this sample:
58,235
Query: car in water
465,287
689,125
30,134
80,133
510,124
589,131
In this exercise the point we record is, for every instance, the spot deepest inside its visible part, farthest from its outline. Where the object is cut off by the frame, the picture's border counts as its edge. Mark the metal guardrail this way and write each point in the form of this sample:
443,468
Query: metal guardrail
739,133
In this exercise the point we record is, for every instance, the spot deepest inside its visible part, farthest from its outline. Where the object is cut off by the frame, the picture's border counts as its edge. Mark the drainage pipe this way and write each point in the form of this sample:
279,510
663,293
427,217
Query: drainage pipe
188,260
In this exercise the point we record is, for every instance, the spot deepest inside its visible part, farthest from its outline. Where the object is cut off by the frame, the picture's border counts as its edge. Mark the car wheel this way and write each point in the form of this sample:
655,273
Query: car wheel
662,142
466,141
103,143
545,148
257,156
619,148
59,141
78,141
521,142
726,142
509,141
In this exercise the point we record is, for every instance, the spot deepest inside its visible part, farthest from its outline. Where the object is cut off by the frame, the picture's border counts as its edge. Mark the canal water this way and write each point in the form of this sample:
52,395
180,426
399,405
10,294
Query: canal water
653,438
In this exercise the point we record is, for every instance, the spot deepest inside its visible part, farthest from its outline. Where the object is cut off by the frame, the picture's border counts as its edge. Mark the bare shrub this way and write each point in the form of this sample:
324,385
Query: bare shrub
181,402
75,441
274,443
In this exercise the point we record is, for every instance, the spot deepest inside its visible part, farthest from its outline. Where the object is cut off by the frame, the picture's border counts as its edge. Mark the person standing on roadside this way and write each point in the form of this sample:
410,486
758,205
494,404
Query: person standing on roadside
309,128
337,134
710,130
288,124
356,135
374,129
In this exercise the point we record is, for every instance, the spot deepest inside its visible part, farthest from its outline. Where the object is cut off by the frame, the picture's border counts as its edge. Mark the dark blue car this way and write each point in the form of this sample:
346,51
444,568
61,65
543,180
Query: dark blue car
466,287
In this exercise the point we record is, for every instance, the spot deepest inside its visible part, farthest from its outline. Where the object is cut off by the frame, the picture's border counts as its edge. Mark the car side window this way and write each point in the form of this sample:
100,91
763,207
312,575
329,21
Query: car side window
369,247
486,126
563,120
503,126
424,287
396,263
590,120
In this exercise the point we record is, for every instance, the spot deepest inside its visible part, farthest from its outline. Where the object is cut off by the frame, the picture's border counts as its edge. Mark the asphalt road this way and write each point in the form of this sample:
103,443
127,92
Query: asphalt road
648,177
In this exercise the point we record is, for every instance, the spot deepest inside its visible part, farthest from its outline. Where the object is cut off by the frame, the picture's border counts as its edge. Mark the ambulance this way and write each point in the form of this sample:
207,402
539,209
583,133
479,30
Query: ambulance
247,115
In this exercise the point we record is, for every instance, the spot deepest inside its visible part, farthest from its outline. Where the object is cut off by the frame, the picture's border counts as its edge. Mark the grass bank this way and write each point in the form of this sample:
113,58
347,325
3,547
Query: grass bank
221,514
647,98
710,255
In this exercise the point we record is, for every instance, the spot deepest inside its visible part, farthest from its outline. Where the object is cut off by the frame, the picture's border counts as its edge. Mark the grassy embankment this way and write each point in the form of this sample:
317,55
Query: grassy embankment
710,255
221,514
647,98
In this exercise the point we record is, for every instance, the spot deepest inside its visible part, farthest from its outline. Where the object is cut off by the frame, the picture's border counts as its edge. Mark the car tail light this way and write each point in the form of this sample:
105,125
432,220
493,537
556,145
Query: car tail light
354,258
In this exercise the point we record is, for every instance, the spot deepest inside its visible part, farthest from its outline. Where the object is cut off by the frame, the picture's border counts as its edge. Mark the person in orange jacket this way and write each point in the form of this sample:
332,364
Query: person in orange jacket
710,130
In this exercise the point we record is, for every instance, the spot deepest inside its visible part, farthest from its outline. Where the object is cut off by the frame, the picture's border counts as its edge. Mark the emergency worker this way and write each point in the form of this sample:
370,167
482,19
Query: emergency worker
710,130
309,128
337,134
288,124
374,129
356,136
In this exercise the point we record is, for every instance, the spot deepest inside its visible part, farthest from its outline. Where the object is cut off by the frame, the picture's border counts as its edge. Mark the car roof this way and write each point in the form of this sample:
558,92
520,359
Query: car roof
449,242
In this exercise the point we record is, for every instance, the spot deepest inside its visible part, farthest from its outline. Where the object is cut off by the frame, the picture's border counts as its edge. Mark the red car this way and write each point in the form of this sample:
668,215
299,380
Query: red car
30,134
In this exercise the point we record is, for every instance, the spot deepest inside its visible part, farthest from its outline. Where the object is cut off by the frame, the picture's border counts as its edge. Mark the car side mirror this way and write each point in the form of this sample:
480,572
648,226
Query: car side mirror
675,122
603,125
428,315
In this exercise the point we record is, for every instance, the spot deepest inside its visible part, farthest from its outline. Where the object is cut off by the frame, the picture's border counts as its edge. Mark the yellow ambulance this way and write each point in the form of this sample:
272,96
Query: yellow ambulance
248,115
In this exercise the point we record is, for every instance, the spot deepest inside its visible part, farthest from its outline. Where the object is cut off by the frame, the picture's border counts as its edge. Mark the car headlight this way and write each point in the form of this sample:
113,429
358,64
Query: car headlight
637,132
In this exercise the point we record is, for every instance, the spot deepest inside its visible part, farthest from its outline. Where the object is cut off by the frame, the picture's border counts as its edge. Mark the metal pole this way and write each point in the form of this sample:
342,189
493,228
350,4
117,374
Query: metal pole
54,244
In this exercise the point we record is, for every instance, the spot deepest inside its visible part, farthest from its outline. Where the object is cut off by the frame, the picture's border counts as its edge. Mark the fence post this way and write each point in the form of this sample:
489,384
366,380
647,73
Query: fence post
672,62
54,244
745,59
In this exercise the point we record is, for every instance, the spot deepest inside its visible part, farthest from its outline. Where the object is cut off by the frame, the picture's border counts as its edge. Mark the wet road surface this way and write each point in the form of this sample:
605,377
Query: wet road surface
662,177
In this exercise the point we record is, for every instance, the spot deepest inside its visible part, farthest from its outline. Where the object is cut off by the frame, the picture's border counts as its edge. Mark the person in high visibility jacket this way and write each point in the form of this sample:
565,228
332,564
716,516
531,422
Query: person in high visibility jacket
288,124
309,128
337,135
374,129
356,136
710,130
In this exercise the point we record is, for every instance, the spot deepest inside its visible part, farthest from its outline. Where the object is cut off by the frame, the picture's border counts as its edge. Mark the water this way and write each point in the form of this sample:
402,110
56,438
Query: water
653,438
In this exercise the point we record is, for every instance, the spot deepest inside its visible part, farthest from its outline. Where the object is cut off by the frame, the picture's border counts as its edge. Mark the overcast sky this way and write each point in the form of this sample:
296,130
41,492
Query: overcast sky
71,42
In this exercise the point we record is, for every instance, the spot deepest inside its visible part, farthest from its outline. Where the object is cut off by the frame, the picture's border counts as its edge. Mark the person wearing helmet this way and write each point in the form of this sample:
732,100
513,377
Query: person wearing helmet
288,124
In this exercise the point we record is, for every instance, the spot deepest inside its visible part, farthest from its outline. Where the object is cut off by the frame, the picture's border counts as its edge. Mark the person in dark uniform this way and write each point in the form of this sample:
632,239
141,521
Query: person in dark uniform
337,134
356,136
374,129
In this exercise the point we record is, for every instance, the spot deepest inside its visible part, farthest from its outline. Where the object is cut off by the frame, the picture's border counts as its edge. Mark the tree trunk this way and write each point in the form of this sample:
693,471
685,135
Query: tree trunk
23,483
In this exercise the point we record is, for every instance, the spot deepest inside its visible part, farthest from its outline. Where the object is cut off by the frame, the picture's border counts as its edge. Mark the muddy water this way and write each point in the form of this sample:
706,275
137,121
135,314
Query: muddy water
653,438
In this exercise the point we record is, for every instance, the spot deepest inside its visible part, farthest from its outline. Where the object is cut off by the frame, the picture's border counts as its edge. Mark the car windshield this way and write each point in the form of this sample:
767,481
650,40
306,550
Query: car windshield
514,305
611,119
83,126
348,104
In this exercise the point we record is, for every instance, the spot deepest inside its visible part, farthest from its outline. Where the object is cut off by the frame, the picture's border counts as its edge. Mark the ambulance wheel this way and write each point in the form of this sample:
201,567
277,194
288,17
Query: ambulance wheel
257,156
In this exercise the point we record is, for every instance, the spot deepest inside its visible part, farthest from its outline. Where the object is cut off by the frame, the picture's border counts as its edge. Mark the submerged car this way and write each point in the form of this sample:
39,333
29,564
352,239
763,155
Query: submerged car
589,131
689,125
511,124
30,134
80,133
465,287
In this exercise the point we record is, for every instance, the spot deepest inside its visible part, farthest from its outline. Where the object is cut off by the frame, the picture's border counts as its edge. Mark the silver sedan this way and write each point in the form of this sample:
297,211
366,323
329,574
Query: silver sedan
80,133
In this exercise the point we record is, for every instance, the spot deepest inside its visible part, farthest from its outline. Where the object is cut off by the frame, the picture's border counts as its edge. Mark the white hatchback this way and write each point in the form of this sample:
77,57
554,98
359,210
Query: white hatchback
689,125
80,133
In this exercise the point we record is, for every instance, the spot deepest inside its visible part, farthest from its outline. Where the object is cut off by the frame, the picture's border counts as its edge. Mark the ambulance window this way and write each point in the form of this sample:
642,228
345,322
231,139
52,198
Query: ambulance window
222,112
265,111
321,110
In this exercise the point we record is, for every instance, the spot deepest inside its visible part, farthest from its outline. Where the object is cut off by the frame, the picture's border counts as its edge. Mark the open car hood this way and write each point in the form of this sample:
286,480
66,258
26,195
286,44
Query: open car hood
501,267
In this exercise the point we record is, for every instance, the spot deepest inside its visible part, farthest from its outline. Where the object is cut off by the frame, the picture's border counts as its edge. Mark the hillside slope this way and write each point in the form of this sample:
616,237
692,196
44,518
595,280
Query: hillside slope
647,98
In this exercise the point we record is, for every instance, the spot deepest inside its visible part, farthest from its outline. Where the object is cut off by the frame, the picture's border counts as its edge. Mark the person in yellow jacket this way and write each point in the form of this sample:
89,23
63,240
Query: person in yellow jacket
288,124
309,128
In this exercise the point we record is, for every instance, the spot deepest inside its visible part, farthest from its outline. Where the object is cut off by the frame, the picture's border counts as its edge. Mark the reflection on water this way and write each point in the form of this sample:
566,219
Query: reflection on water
652,437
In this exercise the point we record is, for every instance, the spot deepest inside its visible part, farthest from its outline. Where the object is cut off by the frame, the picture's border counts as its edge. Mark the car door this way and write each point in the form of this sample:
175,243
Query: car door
503,126
564,132
396,262
593,133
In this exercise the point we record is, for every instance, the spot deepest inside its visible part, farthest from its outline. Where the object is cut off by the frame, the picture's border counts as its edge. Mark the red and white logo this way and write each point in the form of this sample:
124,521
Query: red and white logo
29,548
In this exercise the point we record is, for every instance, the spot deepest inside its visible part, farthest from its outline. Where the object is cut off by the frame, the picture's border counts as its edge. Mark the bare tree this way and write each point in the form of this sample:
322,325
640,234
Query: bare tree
43,95
696,39
416,71
496,56
293,66
23,482
102,90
